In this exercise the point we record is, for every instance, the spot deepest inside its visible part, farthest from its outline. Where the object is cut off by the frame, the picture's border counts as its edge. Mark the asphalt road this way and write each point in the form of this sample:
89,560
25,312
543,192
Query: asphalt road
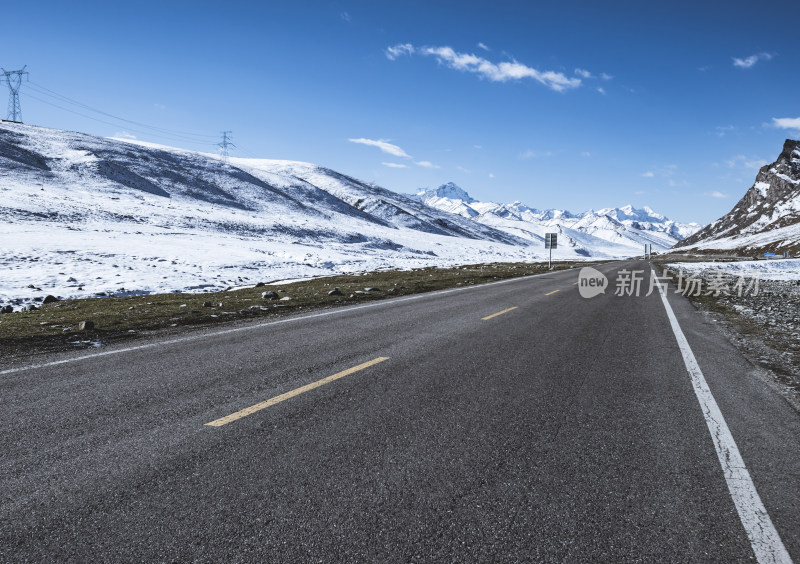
565,429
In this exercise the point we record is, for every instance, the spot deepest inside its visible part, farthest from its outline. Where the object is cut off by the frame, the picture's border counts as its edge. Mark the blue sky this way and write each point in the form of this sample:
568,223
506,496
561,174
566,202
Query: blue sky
574,105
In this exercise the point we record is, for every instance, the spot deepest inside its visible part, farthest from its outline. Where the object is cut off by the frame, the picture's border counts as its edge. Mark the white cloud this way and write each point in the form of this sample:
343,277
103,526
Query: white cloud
478,146
733,162
398,50
583,73
383,145
745,63
496,72
345,16
722,130
586,154
124,135
483,46
750,61
531,154
718,194
786,123
601,90
426,164
159,106
747,162
491,175
640,192
665,171
462,169
395,165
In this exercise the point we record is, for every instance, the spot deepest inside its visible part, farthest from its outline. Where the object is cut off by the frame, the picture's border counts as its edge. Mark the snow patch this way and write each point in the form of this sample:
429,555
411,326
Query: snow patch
762,188
778,269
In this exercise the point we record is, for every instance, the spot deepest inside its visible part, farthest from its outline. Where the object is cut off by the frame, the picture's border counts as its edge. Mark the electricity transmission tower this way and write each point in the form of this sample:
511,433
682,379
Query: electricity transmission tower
14,81
224,145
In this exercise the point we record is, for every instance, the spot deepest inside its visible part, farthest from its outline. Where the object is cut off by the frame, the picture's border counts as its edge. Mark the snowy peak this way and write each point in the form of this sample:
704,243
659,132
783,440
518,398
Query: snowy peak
450,190
607,232
630,213
562,214
768,215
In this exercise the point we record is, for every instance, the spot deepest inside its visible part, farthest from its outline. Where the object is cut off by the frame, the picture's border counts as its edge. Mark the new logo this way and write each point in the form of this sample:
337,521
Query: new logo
591,282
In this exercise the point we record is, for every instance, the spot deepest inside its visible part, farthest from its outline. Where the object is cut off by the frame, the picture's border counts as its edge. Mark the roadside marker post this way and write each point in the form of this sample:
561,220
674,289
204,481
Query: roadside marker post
550,242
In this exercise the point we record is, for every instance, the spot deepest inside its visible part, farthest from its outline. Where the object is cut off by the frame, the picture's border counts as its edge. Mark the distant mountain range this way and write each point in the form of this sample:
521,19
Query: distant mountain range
607,232
766,219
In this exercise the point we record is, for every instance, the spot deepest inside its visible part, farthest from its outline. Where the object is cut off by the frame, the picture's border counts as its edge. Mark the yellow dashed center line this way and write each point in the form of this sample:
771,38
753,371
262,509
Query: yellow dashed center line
296,392
574,283
498,313
553,292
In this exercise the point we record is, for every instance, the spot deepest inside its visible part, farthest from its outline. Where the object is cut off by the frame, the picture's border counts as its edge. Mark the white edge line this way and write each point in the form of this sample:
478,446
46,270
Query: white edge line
205,335
764,538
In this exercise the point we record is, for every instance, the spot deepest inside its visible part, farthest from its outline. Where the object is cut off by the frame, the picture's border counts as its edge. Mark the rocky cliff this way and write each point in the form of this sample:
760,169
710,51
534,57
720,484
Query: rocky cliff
766,218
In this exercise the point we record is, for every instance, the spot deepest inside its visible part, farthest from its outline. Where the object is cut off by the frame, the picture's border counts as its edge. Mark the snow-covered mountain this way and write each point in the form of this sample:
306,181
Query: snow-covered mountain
767,218
611,231
81,215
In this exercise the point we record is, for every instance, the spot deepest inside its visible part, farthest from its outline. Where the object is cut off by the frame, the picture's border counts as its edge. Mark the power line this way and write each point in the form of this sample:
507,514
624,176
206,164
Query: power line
14,81
174,135
249,153
165,136
51,93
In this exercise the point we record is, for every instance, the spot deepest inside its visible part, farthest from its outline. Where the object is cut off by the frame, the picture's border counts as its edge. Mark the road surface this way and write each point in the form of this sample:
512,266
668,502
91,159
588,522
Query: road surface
510,422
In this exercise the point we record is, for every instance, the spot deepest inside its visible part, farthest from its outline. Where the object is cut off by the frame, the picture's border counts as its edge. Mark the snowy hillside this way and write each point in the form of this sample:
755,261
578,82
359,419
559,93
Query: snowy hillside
83,215
607,232
767,218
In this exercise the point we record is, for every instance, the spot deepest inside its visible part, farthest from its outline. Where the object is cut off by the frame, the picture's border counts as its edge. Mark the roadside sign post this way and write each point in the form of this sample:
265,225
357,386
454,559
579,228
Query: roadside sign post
550,242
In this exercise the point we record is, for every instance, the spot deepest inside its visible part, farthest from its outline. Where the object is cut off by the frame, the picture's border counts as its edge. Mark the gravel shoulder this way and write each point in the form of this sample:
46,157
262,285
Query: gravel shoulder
762,320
